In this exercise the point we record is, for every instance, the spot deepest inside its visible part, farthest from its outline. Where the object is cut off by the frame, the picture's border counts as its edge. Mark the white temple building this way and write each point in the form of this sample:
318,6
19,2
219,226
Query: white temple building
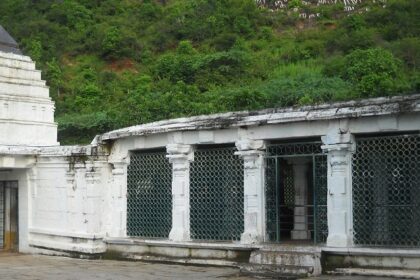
274,190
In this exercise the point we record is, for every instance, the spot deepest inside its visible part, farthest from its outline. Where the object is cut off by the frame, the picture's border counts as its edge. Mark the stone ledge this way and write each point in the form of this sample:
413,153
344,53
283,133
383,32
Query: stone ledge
168,243
395,273
15,56
58,242
67,234
373,252
211,262
23,82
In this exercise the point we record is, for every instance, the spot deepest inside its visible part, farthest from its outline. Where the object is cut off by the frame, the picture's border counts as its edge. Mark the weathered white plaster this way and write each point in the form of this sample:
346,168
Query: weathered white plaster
252,152
339,147
180,156
25,105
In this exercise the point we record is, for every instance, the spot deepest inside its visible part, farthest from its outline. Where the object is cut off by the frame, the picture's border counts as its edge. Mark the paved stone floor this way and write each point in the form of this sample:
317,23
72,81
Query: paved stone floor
27,267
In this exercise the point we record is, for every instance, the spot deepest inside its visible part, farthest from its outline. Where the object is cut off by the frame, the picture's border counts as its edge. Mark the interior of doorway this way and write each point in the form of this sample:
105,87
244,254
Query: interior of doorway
9,216
296,193
295,219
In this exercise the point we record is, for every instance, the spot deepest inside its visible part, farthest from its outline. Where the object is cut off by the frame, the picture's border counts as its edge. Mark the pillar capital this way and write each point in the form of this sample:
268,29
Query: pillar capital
244,145
335,141
176,149
252,152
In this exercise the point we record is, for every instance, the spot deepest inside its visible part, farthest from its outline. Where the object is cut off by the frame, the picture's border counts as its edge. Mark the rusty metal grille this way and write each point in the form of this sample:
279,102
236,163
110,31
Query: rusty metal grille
386,191
149,195
280,192
217,195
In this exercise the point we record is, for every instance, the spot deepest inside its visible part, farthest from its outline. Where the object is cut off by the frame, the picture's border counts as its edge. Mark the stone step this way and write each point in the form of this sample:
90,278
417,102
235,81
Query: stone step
294,260
394,273
191,261
285,271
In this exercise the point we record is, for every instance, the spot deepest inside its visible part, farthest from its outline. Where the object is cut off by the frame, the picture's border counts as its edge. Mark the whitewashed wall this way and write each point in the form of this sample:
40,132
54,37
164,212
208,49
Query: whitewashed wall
26,110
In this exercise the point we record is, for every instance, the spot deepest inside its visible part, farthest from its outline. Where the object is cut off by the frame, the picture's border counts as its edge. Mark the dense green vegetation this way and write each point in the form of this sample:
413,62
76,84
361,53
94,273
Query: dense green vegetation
115,63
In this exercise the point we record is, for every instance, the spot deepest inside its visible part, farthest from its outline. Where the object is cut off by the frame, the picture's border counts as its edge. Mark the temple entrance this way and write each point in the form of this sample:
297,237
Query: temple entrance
296,192
9,216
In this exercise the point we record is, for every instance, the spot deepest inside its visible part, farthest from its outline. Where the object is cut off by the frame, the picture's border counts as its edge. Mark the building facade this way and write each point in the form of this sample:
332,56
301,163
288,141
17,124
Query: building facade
277,189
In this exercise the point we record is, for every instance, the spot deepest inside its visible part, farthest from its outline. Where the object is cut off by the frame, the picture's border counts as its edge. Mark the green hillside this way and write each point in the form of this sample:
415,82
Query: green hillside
115,63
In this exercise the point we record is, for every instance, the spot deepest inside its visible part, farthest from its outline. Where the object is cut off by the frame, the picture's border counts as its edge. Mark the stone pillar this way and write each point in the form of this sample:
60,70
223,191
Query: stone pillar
118,197
300,179
252,152
180,156
340,217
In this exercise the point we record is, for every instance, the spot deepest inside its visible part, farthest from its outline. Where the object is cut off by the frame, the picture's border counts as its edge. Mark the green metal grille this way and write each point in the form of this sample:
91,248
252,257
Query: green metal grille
272,199
291,149
386,191
320,198
149,195
216,195
280,200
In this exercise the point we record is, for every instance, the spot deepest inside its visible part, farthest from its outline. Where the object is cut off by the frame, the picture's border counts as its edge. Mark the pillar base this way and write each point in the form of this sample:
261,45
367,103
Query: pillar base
251,238
179,235
339,241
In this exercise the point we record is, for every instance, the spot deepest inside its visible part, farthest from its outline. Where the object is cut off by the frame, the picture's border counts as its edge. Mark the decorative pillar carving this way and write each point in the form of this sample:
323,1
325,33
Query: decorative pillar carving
252,152
180,156
339,147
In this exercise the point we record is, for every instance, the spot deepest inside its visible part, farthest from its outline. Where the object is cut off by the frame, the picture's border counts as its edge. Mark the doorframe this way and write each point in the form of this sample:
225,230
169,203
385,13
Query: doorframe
313,157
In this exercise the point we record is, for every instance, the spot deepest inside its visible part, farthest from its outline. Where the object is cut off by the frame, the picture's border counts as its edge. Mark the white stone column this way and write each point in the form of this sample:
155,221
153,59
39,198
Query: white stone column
252,152
180,156
300,179
118,195
340,217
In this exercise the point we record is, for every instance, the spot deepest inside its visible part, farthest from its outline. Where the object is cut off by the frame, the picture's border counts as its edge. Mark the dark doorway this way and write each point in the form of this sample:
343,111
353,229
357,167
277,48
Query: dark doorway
9,240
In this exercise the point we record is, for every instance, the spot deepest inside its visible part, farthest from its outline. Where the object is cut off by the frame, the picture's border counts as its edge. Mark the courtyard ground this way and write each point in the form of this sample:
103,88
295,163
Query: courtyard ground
28,267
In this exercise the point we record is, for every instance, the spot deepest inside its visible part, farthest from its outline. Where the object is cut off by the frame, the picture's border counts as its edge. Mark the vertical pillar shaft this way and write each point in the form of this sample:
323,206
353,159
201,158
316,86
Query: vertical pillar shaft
340,224
119,200
300,225
253,153
180,156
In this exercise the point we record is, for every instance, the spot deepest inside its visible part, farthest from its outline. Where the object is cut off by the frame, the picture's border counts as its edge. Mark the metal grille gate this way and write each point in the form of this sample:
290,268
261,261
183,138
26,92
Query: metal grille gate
280,200
216,194
149,195
386,191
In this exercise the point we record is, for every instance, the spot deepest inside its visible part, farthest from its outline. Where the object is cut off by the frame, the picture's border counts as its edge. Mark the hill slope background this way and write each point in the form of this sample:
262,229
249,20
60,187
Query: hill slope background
115,63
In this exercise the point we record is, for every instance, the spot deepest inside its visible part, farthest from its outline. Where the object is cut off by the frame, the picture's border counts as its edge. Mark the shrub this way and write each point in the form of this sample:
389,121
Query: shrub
374,72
